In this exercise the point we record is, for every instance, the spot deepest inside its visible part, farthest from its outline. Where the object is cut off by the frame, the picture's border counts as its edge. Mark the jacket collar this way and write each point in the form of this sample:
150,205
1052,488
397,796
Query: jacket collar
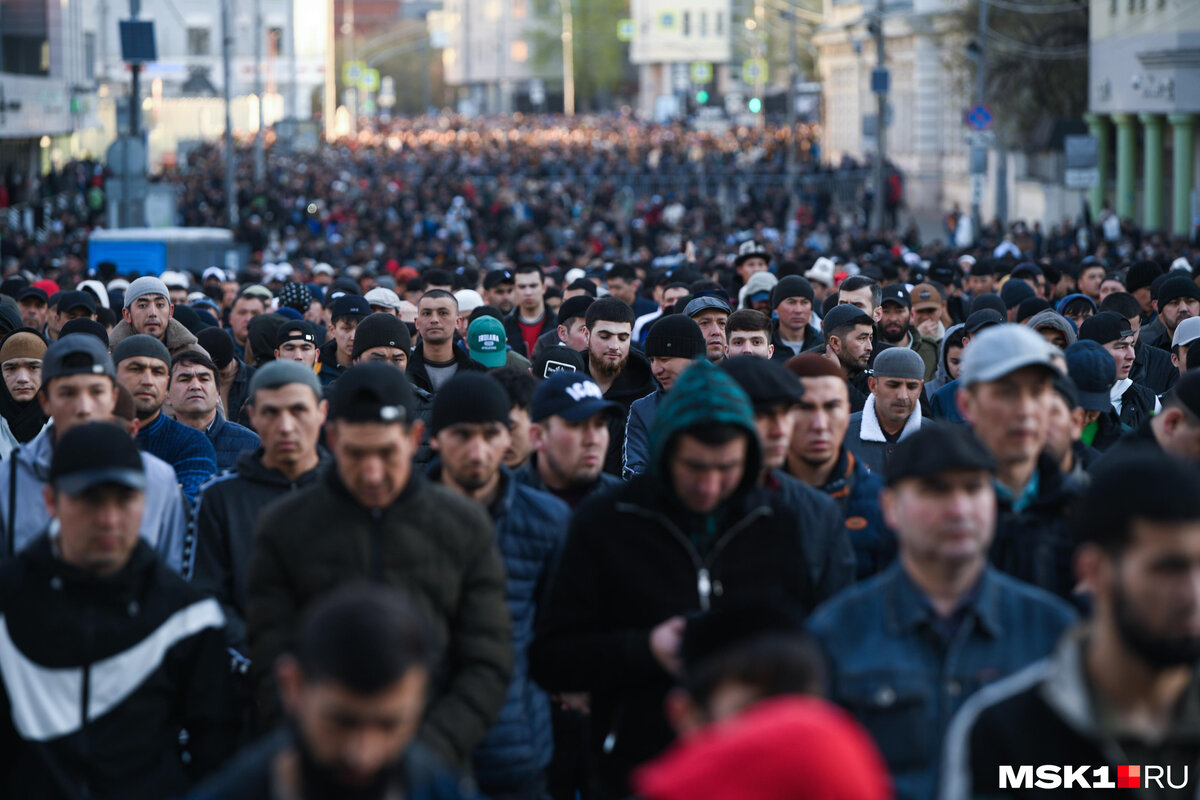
908,607
871,431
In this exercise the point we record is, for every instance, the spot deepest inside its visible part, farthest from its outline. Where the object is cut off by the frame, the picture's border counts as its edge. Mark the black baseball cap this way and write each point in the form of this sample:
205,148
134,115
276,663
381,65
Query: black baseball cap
497,277
349,305
1094,372
845,315
570,395
77,354
70,300
96,454
34,292
573,307
935,449
768,383
1105,327
895,293
373,392
296,330
556,358
984,318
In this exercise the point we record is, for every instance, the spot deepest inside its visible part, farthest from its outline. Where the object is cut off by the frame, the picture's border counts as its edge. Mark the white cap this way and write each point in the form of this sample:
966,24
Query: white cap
215,272
822,271
1181,264
966,259
1186,332
322,269
385,298
194,296
98,289
573,274
175,280
118,285
468,300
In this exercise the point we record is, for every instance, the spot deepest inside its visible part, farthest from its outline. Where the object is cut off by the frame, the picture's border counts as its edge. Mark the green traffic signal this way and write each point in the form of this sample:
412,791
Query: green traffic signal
701,97
755,105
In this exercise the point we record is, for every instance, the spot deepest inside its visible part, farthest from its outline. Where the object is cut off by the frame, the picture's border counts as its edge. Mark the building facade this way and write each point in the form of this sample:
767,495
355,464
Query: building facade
668,38
1143,104
488,55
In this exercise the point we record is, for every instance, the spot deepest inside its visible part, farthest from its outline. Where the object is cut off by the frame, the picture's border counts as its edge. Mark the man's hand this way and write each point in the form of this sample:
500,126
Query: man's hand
665,641
928,328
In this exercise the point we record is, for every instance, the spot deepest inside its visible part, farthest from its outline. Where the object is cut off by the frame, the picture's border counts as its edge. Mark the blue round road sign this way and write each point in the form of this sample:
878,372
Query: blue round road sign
980,117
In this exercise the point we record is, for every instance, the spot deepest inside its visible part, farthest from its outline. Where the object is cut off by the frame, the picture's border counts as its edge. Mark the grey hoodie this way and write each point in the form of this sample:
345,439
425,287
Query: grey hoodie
942,376
164,521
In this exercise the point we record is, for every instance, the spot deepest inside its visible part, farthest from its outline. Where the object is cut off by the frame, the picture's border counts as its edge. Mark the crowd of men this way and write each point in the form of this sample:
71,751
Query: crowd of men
436,498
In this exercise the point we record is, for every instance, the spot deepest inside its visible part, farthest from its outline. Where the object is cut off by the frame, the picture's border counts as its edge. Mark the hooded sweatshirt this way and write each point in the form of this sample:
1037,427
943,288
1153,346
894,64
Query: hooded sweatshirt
942,376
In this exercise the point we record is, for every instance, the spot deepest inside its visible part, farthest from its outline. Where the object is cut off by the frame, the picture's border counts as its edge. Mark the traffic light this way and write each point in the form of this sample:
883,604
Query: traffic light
755,105
701,97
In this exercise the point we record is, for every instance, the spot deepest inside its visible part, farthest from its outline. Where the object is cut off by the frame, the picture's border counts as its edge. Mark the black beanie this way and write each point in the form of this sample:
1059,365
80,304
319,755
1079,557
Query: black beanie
219,345
469,397
381,330
261,334
675,336
791,286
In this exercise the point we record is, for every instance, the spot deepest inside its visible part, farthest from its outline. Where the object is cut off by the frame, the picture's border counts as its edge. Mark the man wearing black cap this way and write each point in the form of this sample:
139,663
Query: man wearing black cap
470,435
345,313
1175,431
944,403
1133,402
792,300
1091,369
393,527
75,305
498,288
144,369
1120,689
436,359
673,343
79,385
35,307
571,330
287,410
569,428
296,340
382,337
235,373
896,329
907,648
849,332
108,654
1178,299
711,314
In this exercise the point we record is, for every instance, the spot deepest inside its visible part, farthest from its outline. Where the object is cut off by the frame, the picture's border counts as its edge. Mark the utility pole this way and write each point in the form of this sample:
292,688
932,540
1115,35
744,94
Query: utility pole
426,92
760,54
230,183
348,56
879,84
793,80
293,111
135,71
979,152
329,106
568,40
260,165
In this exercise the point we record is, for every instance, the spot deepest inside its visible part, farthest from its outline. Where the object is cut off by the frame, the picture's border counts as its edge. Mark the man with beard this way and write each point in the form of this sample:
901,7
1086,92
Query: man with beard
354,688
1178,299
896,328
1123,689
892,412
848,341
35,307
21,416
498,288
907,648
470,434
622,376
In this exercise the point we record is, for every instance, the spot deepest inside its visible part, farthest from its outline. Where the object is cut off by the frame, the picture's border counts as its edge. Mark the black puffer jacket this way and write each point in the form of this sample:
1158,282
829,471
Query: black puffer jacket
101,673
226,516
435,544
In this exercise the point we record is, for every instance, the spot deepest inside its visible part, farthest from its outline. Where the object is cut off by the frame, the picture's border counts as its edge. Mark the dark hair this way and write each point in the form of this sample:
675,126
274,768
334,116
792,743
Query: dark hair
772,663
1193,359
856,282
1078,306
705,286
519,384
623,271
485,311
438,294
251,295
363,637
609,309
583,285
552,292
528,268
436,277
747,319
198,359
1123,303
414,284
714,434
840,331
1141,484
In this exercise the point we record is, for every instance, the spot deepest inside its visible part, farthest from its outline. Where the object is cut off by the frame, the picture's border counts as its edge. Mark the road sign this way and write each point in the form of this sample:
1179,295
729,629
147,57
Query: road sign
679,77
369,80
880,78
352,72
1082,156
537,91
387,92
624,30
980,138
667,20
980,118
702,72
754,70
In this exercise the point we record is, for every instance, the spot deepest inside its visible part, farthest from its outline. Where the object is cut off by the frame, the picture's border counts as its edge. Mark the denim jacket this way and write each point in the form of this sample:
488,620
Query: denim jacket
893,669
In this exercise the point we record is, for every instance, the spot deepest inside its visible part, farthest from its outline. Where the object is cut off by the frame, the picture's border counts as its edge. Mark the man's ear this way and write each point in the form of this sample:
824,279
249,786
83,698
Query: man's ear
125,315
290,680
682,713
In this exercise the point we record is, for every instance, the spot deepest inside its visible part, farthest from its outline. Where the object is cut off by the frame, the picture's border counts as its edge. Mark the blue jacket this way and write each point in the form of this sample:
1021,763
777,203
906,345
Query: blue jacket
856,491
531,527
230,440
944,405
897,668
186,449
637,434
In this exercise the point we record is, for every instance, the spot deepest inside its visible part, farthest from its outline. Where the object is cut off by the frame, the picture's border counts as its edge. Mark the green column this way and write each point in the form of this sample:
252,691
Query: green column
1183,140
1098,127
1152,171
1126,154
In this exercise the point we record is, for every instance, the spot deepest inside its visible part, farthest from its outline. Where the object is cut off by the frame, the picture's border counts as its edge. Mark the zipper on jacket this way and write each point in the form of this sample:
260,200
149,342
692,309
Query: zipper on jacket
377,545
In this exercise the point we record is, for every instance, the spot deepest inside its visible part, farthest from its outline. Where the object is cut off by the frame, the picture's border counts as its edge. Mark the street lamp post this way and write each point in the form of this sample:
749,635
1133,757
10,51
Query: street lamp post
568,40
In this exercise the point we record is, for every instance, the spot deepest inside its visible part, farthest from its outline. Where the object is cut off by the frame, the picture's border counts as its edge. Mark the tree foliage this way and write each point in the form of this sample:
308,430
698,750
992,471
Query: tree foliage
602,71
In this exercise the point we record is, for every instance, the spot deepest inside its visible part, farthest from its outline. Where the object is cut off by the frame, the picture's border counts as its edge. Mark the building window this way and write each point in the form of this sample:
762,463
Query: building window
720,23
518,51
704,23
199,41
24,38
687,23
89,56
